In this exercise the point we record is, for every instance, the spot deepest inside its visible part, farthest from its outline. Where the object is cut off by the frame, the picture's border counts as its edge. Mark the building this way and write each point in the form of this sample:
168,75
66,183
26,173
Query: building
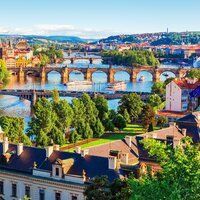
47,173
177,95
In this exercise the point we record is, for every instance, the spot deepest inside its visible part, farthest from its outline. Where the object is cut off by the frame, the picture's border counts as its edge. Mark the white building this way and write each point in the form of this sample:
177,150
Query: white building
48,174
177,94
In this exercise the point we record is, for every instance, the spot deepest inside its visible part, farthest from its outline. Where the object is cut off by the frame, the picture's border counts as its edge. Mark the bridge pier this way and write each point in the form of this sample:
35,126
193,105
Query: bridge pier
72,60
21,75
91,61
88,75
133,76
111,75
65,75
156,76
43,75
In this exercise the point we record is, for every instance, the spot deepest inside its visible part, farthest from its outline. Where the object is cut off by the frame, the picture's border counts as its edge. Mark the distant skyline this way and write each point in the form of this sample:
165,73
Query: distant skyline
98,18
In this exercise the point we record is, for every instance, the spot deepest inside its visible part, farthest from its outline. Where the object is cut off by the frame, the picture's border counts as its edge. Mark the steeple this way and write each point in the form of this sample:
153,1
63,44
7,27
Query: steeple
10,44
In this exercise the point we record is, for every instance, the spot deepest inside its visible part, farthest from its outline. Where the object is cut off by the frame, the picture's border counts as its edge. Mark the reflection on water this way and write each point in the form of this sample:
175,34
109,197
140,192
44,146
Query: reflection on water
10,105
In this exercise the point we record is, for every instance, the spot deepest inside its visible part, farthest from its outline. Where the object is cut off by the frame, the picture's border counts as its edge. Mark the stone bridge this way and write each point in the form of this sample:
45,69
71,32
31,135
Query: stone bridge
33,95
88,72
73,59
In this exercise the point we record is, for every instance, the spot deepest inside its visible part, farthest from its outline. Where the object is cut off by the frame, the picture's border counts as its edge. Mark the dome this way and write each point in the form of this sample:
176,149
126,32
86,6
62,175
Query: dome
22,44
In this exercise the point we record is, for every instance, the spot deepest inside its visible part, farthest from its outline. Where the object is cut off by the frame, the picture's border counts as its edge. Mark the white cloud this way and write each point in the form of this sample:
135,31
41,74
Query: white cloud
57,29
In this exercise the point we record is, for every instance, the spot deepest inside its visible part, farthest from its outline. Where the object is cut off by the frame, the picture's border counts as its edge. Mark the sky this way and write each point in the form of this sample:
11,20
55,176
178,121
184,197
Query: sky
98,18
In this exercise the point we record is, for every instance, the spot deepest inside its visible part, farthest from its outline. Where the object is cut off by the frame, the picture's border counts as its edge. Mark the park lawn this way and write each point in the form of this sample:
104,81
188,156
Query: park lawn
131,129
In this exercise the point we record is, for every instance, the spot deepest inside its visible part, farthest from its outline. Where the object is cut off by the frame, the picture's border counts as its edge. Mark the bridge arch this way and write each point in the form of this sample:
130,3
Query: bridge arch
31,72
76,75
122,75
100,75
167,74
53,76
144,75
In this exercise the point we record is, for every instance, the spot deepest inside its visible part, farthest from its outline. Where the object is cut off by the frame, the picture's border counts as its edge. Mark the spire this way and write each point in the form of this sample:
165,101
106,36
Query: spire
10,44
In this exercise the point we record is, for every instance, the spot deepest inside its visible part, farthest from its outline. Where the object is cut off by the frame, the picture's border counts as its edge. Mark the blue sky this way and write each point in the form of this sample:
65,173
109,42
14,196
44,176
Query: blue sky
98,18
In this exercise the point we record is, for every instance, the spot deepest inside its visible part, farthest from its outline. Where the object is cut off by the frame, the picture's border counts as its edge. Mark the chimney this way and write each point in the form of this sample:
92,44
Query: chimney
84,152
175,142
172,124
5,145
49,151
184,130
112,162
128,140
19,149
78,149
124,158
56,147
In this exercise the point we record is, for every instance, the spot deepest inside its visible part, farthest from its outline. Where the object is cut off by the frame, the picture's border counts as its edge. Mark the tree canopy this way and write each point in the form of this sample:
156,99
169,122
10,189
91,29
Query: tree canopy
4,73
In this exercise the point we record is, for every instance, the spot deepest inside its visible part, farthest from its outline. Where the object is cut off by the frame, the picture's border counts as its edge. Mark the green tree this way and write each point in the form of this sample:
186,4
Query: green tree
180,171
98,129
44,59
162,121
13,128
147,116
91,112
44,119
4,73
74,137
119,122
42,139
102,106
132,103
126,116
154,101
108,124
88,133
57,136
158,88
55,96
193,73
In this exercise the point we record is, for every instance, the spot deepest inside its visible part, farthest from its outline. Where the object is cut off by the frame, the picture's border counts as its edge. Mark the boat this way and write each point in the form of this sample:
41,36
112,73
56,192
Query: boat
78,83
119,85
165,74
141,78
77,72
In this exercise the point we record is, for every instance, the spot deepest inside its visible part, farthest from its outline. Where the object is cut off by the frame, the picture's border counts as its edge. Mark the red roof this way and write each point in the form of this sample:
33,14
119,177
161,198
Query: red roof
185,84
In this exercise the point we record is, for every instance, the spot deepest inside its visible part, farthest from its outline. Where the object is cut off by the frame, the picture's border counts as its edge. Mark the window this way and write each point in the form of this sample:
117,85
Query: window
42,194
27,191
14,190
1,187
57,196
57,171
74,197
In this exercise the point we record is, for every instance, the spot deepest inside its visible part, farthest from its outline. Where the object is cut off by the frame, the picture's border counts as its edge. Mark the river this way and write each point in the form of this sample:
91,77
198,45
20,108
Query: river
10,105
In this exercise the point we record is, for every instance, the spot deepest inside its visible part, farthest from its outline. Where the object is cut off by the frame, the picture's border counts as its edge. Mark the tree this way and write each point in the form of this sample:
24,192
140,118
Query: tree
73,138
179,178
57,136
13,128
147,116
44,59
91,112
88,133
132,103
126,116
55,96
193,73
4,73
101,188
108,125
98,129
119,122
102,106
168,80
158,88
162,121
44,119
154,101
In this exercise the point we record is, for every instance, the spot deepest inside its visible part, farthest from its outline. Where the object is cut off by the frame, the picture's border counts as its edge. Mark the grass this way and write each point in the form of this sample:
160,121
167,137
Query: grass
131,129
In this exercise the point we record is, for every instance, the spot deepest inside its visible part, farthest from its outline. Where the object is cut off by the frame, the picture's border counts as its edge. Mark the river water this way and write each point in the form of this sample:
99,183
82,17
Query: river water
10,105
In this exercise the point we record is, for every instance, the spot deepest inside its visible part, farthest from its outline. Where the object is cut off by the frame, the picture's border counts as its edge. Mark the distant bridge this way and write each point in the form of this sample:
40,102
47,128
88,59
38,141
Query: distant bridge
88,72
73,59
33,95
